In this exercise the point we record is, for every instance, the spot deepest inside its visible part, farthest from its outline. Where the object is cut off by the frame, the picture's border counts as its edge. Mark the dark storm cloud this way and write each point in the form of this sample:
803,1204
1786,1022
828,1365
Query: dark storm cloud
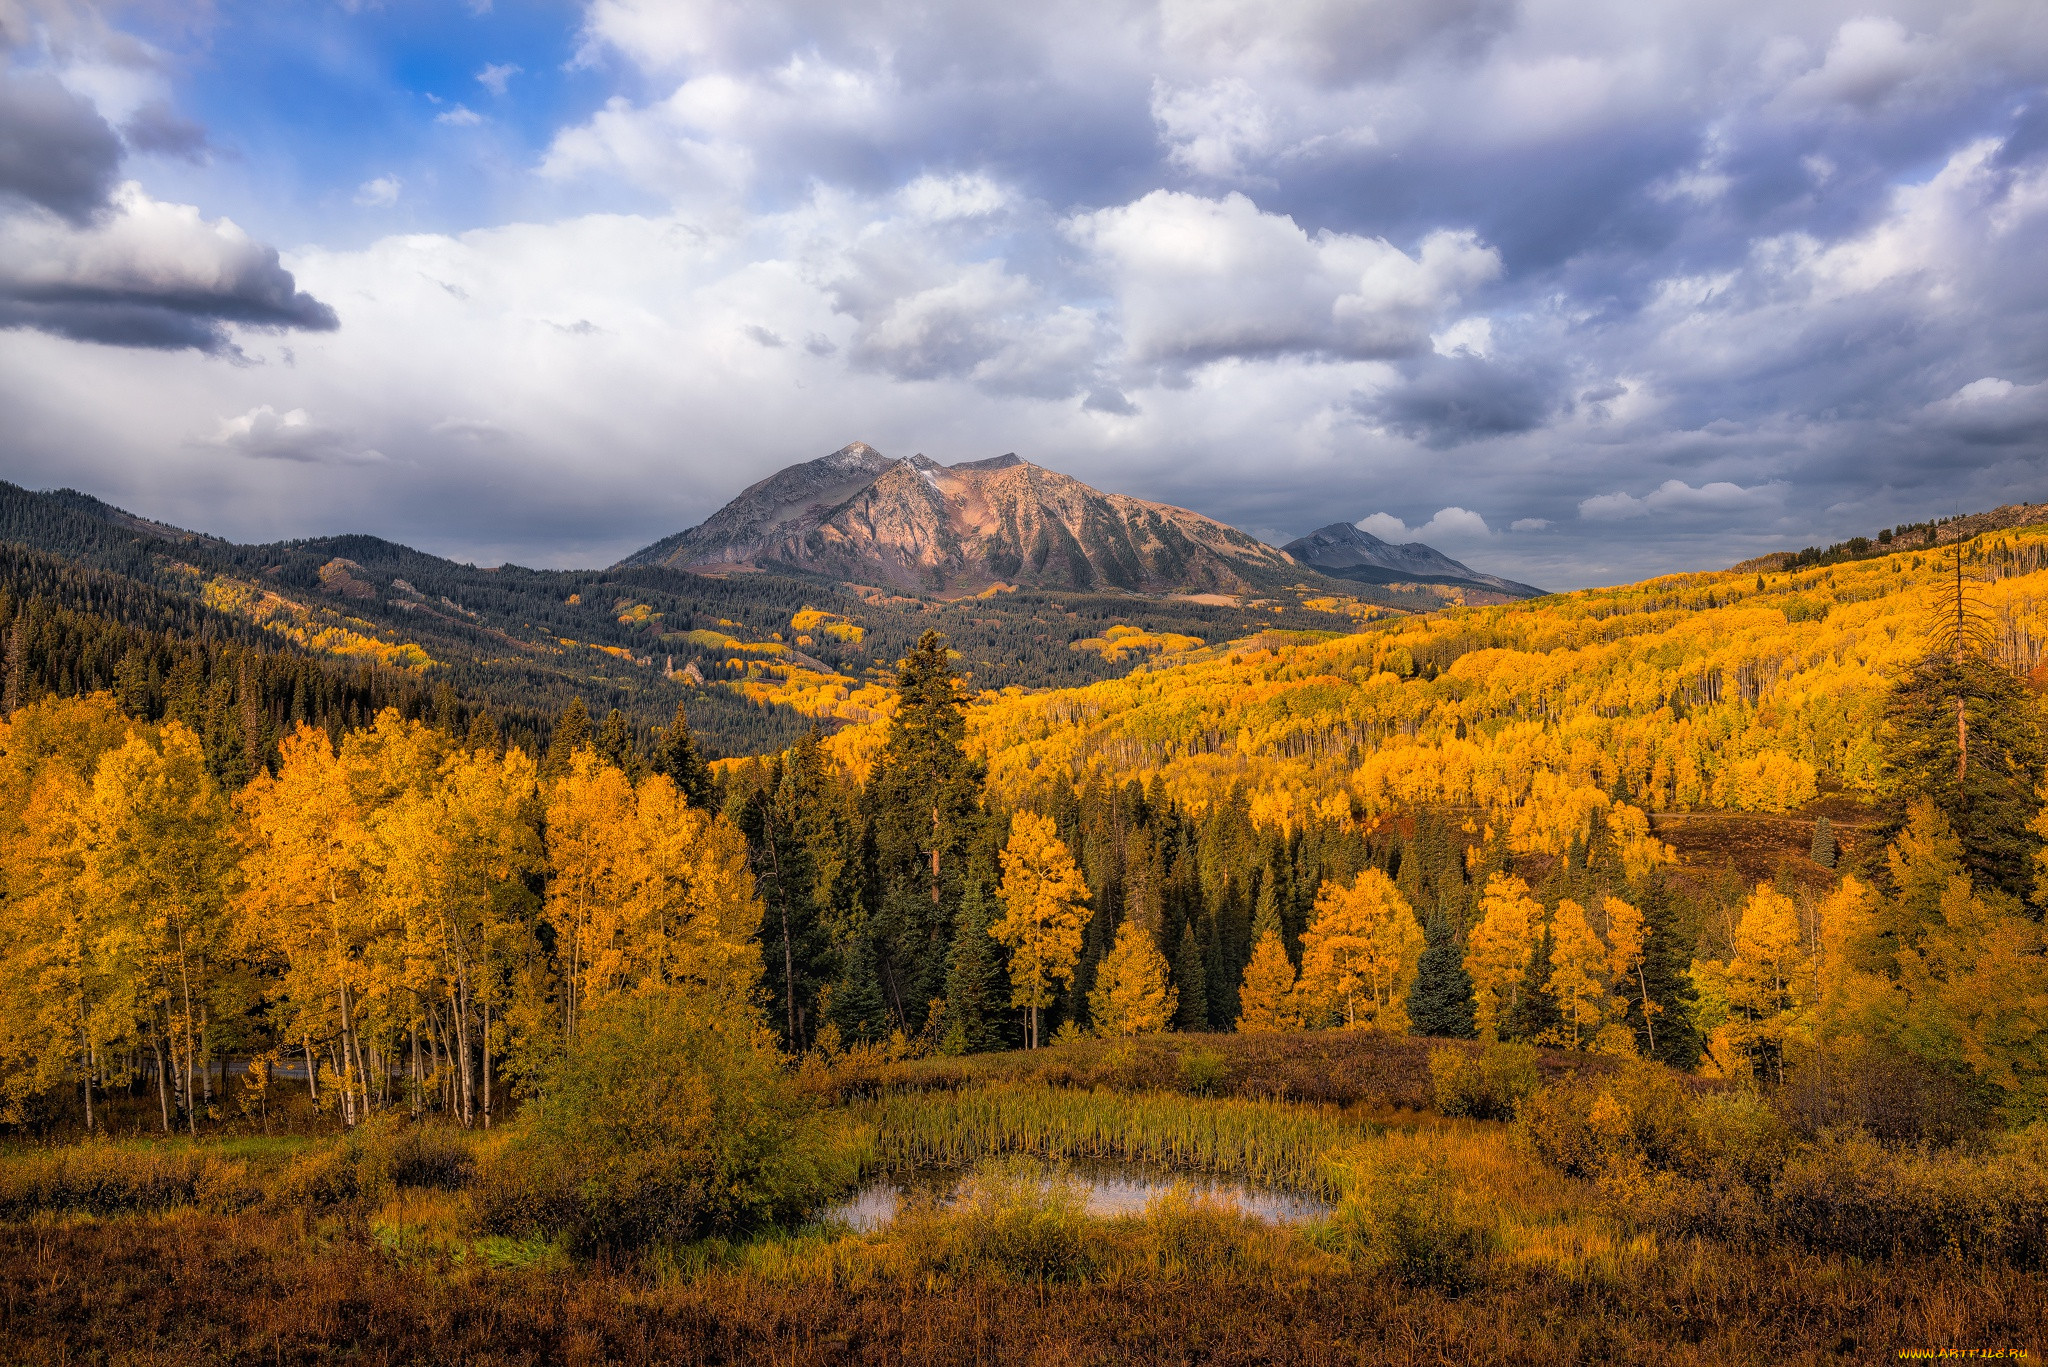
1448,401
56,152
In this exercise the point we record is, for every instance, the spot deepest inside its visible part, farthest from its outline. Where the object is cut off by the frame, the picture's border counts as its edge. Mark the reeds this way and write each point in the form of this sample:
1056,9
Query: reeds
1268,1143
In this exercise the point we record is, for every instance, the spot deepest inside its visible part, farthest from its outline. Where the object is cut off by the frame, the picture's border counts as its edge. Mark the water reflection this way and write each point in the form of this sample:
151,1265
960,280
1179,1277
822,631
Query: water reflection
1111,1190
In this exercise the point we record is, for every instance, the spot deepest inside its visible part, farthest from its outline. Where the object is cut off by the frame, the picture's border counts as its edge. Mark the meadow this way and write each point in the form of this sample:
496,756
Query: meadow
1622,1214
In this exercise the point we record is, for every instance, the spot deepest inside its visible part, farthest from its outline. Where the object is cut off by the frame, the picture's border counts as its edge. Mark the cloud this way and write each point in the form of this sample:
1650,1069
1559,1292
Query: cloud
1529,524
1197,279
1992,411
147,274
497,75
1449,524
380,193
266,434
461,116
1446,401
1675,496
56,151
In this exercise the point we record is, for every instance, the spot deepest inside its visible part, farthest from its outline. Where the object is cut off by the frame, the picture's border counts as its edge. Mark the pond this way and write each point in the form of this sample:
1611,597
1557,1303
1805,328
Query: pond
1111,1190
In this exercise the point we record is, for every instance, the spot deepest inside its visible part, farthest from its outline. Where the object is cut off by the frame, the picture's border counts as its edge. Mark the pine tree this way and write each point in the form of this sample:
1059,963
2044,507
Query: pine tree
615,741
1536,1015
1191,981
1441,1002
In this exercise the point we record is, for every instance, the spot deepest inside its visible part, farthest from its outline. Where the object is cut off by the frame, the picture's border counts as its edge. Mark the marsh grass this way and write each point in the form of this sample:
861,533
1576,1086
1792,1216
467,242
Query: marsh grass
1268,1143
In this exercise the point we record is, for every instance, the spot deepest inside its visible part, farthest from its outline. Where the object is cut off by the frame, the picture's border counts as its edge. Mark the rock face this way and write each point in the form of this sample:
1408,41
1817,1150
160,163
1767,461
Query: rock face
860,516
1342,551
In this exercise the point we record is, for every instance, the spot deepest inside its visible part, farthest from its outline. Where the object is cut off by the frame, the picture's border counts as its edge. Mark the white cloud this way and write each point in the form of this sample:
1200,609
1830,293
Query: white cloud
1213,130
380,193
1197,279
1675,496
497,75
1449,524
1529,524
461,116
293,435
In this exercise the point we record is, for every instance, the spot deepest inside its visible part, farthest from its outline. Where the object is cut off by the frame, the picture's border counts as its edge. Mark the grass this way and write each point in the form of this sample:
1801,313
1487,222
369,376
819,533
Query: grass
1452,1240
1268,1143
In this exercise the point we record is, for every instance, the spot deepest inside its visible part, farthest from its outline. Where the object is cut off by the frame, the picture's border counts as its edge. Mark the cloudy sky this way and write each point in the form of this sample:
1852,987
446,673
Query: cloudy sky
1576,290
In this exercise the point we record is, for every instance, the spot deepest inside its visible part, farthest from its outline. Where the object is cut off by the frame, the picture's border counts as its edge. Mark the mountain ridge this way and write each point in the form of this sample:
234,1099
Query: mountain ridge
1345,551
912,523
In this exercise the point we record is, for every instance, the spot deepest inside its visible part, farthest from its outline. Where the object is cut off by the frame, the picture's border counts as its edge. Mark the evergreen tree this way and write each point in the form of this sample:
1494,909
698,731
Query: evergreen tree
571,733
615,741
924,807
1190,979
1670,1035
1536,1015
1441,1002
676,754
1823,842
1965,733
975,1017
857,1006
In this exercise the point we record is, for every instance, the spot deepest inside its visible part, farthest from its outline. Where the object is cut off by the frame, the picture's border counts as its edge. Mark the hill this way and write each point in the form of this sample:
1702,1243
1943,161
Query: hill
916,525
1343,551
758,657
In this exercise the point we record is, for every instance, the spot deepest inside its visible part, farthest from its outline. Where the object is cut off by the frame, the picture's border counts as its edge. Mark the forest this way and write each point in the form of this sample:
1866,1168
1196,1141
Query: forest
386,1005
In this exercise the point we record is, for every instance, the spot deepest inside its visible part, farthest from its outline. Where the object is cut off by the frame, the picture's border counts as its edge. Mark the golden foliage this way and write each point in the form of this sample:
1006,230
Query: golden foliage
1041,894
1361,951
1131,995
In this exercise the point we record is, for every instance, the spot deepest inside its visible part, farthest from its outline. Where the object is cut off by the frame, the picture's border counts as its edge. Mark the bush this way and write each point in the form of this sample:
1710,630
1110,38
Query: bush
1402,1218
1489,1085
372,1160
672,1118
1884,1092
1022,1224
106,1179
1203,1072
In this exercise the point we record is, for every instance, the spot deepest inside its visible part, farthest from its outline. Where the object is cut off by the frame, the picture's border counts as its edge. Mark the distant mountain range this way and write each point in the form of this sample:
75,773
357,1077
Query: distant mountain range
863,517
1343,551
914,524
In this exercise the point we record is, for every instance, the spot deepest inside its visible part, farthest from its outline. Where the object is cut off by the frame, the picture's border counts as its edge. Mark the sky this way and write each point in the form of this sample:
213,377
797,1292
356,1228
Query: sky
1578,291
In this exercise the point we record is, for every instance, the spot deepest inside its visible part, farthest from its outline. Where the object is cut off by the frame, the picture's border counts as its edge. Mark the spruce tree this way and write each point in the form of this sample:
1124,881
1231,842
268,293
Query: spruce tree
1671,1035
1441,1001
976,996
1536,1014
676,754
924,808
1191,980
1823,842
571,733
615,741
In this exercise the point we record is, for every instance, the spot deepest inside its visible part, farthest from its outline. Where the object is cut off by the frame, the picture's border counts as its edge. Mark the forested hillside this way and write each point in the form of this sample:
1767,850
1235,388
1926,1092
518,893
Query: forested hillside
757,657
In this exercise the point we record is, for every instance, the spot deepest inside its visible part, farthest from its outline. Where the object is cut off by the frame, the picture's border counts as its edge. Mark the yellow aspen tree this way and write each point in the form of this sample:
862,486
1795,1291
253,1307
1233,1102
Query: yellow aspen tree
306,909
1766,982
597,863
1578,974
1131,995
1848,988
1267,1002
1498,950
156,856
1627,938
1041,894
1362,950
696,918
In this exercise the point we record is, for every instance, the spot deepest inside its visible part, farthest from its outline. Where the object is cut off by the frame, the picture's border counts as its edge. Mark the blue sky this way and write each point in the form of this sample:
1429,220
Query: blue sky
1577,290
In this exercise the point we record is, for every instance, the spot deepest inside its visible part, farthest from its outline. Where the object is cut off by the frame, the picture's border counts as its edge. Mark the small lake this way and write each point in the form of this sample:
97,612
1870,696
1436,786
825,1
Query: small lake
1110,1189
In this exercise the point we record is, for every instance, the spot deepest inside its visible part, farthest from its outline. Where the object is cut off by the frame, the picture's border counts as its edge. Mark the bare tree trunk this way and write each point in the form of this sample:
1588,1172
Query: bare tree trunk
487,1065
163,1101
191,1040
87,1046
1648,1029
312,1069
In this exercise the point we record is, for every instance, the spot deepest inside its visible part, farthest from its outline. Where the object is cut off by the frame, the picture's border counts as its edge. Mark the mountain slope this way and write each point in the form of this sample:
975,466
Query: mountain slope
915,524
1343,551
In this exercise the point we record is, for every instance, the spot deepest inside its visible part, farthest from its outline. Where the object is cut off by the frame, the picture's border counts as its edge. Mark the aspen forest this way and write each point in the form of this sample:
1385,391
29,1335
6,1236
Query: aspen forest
1671,953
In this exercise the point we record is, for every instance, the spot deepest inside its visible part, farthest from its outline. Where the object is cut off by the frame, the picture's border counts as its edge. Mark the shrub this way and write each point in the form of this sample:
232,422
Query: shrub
1489,1085
107,1179
1887,1093
672,1118
1023,1224
1402,1217
1203,1072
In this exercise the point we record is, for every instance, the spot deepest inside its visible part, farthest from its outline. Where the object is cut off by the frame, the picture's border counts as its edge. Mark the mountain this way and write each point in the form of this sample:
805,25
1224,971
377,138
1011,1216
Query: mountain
859,516
1343,551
